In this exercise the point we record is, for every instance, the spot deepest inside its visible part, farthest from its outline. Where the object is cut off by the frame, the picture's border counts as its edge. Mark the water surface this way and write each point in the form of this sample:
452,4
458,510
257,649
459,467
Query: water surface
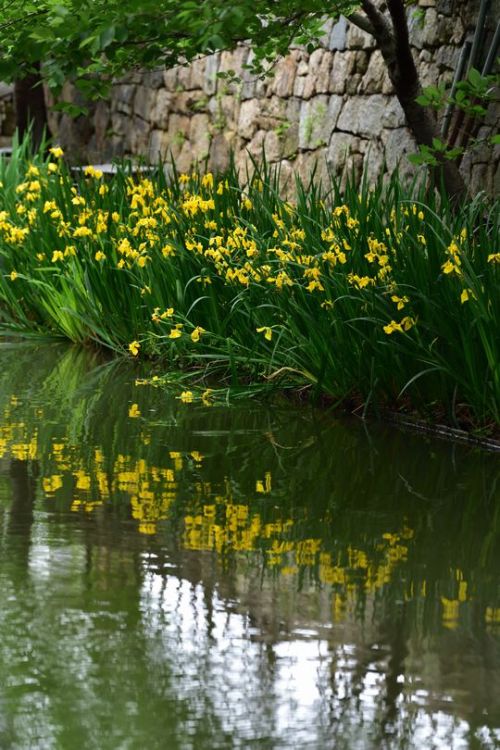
181,576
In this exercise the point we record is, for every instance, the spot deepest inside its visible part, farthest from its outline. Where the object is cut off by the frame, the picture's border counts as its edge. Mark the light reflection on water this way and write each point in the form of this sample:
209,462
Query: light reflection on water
217,578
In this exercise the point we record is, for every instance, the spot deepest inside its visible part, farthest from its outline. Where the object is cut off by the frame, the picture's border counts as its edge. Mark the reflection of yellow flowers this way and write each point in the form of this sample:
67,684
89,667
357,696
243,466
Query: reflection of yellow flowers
492,615
264,487
134,411
52,484
450,612
306,551
217,522
87,505
147,527
462,591
83,481
134,347
206,397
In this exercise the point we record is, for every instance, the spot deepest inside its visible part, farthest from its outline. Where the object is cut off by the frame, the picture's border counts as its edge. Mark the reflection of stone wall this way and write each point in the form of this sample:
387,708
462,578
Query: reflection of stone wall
334,107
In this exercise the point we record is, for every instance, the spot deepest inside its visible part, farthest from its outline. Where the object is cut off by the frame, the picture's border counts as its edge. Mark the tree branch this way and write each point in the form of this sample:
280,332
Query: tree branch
381,29
394,43
361,22
15,21
406,63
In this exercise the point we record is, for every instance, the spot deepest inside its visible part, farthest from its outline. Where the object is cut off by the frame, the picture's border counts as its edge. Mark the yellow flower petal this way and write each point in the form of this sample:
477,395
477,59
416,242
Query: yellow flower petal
268,333
133,348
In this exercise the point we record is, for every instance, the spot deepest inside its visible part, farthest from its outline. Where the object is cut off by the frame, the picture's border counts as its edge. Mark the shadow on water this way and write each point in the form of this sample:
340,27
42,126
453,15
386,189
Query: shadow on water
233,577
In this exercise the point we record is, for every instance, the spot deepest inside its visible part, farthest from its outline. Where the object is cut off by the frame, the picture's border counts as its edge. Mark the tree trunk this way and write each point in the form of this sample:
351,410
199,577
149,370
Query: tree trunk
423,125
31,111
394,44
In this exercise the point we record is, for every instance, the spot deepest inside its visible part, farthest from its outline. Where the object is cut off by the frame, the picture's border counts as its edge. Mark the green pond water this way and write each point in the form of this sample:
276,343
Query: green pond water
182,576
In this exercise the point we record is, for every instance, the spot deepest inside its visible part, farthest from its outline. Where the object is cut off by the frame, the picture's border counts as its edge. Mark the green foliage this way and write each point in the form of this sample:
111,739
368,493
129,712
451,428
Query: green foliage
471,97
92,41
282,129
433,96
470,94
429,155
381,297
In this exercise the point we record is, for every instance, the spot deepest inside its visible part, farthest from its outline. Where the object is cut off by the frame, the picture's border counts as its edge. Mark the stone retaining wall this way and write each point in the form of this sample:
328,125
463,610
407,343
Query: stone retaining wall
333,108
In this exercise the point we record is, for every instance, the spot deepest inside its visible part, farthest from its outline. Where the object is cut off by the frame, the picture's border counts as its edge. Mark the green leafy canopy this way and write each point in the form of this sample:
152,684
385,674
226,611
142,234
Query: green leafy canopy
94,40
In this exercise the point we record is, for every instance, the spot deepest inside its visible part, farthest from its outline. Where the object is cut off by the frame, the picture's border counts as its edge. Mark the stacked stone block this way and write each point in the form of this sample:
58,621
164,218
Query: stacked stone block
332,110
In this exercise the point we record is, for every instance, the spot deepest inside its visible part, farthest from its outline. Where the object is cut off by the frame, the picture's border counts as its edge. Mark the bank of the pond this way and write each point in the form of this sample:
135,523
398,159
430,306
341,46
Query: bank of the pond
185,387
379,298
